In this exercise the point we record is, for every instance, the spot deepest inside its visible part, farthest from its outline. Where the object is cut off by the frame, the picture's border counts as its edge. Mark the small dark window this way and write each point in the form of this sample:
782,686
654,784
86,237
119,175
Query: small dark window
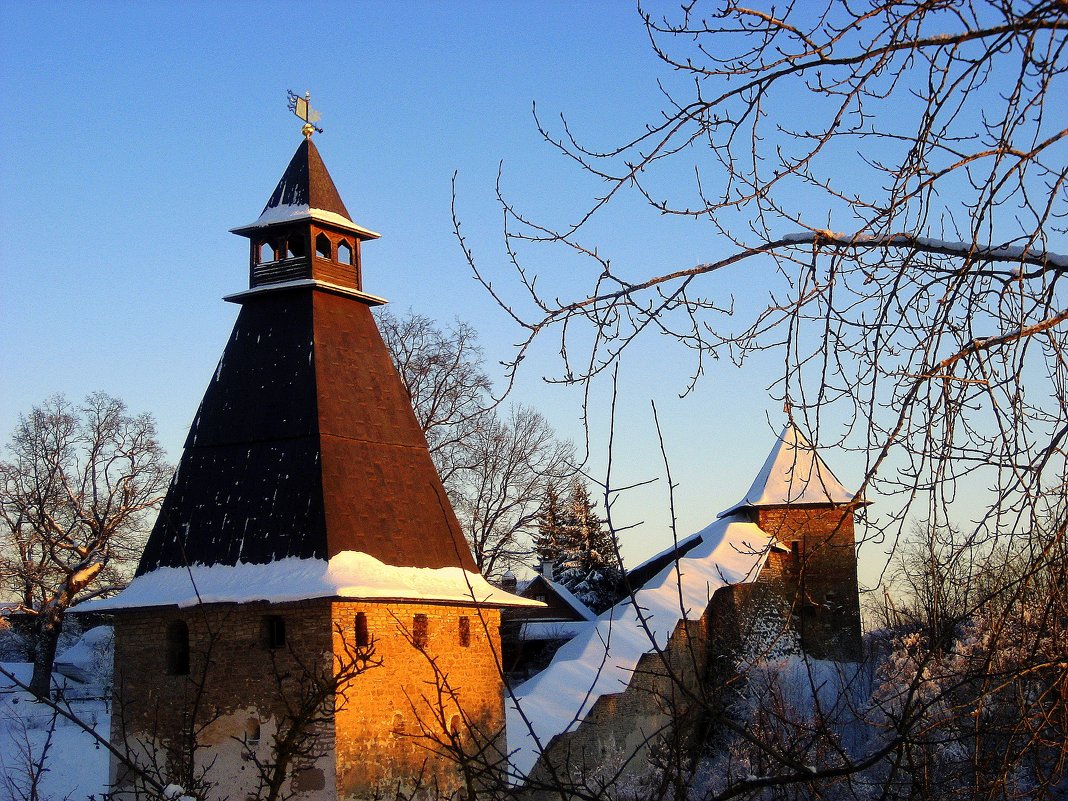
266,253
252,732
322,246
795,550
363,635
344,252
296,247
274,631
465,631
178,648
420,631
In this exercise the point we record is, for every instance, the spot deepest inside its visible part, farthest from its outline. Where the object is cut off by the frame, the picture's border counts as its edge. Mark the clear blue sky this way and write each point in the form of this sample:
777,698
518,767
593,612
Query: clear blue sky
136,134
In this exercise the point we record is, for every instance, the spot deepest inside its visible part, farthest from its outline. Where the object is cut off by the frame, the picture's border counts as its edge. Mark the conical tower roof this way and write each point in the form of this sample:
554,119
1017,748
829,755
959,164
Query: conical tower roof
306,192
794,475
305,444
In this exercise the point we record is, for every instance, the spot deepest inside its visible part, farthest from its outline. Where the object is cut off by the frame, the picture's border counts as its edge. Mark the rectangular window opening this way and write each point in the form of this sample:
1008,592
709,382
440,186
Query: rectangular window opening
274,631
362,633
420,631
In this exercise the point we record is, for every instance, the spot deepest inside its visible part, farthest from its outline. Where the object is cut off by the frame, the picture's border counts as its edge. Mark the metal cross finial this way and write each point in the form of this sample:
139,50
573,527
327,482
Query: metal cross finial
301,107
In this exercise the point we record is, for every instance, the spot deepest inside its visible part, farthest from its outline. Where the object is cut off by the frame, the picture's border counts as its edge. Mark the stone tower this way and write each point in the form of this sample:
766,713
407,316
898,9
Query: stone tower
797,500
307,616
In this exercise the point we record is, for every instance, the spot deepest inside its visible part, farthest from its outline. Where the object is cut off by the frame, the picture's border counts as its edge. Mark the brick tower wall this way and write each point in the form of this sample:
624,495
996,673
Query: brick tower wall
411,721
234,685
400,722
822,576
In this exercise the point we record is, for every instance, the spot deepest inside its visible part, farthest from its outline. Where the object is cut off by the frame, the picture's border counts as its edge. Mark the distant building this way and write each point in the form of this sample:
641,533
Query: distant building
773,575
307,612
531,635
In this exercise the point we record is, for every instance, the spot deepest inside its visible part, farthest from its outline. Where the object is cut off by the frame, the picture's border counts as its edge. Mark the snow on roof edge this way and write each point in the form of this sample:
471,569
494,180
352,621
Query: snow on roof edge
277,215
348,575
731,551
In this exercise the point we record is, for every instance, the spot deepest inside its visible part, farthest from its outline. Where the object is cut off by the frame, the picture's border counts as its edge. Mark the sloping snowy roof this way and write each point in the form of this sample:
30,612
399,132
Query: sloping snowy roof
731,551
793,474
350,574
568,597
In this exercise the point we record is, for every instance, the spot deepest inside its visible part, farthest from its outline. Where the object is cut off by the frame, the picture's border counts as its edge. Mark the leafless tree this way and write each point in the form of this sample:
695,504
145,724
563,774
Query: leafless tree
495,468
75,498
890,180
443,372
498,497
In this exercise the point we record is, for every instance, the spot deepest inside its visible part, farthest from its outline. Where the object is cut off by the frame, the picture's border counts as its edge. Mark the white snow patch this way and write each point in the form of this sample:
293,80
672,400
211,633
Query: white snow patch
557,699
793,474
89,659
77,765
350,574
274,215
538,630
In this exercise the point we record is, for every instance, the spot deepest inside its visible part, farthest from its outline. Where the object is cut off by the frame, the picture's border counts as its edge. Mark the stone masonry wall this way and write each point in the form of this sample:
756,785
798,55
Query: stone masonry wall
405,723
200,729
823,590
397,723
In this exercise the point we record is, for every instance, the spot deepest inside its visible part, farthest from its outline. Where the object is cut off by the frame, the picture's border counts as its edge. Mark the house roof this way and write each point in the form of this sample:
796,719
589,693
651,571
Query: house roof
306,192
794,474
569,599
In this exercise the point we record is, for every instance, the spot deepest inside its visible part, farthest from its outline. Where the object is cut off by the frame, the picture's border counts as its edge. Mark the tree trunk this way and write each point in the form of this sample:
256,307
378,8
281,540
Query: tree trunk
47,640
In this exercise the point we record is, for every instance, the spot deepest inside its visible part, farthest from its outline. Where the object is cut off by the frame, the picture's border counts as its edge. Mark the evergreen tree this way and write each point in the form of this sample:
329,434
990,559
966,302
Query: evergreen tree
588,563
547,542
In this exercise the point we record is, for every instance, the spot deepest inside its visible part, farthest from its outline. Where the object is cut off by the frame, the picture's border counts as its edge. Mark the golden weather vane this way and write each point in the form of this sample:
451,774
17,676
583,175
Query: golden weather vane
301,107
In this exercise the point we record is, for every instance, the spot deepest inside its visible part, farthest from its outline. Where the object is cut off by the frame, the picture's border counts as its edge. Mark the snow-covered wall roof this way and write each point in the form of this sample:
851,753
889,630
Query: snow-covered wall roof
731,551
350,574
793,474
565,594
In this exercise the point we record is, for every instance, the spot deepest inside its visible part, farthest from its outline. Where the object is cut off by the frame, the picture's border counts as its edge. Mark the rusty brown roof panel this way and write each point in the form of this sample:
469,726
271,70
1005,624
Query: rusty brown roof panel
359,392
387,501
382,493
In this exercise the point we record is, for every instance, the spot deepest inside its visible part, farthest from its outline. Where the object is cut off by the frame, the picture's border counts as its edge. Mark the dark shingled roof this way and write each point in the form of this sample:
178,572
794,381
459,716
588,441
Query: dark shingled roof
305,445
307,182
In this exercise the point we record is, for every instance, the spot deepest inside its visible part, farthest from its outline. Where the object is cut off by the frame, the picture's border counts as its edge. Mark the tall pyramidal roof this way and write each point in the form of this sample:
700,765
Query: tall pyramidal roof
306,192
793,474
305,445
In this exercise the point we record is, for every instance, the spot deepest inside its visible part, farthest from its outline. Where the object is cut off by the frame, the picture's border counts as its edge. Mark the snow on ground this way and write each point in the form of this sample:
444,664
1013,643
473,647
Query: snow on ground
557,699
76,766
350,574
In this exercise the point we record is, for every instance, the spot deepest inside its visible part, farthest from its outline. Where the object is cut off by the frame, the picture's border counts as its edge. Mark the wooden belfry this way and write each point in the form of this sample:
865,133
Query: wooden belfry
306,536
